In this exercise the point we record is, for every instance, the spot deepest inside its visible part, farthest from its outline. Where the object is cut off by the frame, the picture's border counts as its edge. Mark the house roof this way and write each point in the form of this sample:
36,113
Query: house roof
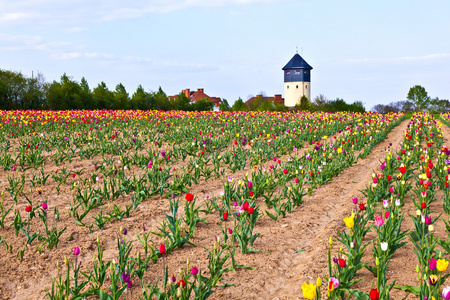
197,95
297,62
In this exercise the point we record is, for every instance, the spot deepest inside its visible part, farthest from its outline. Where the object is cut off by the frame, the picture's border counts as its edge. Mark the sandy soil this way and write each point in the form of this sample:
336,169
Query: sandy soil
278,271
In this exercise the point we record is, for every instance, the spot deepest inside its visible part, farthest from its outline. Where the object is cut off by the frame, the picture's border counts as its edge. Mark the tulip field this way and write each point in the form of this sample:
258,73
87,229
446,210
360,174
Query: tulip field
223,205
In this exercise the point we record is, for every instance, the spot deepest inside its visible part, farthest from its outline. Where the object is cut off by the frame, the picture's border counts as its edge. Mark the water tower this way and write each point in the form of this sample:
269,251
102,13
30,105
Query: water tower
297,80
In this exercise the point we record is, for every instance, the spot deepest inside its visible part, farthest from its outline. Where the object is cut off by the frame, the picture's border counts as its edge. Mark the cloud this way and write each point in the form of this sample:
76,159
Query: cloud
76,29
61,50
403,59
73,12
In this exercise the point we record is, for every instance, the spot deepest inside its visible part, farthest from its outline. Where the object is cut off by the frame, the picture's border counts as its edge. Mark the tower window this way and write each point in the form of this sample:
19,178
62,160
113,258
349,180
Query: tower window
306,86
287,86
296,86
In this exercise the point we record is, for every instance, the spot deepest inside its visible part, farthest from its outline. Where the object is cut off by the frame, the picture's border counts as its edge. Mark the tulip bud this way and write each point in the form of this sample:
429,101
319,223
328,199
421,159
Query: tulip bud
330,241
430,228
377,262
417,269
66,261
319,282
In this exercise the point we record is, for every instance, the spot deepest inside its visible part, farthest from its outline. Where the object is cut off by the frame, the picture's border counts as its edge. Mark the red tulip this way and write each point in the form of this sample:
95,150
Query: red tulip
423,205
388,178
28,209
402,169
342,262
285,171
162,249
245,206
251,194
362,206
225,215
374,294
430,165
182,283
446,184
189,197
73,175
250,210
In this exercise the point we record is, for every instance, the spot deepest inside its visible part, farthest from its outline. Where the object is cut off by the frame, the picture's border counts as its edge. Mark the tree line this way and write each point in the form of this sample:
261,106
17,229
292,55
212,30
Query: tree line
416,100
20,92
320,103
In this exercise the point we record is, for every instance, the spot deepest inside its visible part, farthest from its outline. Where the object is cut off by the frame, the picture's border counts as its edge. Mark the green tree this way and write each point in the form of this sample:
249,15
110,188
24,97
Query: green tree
419,97
86,95
13,89
303,103
257,101
266,106
141,99
439,105
71,93
121,97
357,106
239,105
103,97
202,105
181,102
224,105
161,100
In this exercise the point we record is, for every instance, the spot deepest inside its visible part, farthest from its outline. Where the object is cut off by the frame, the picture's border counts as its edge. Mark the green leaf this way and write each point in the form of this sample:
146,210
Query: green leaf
409,288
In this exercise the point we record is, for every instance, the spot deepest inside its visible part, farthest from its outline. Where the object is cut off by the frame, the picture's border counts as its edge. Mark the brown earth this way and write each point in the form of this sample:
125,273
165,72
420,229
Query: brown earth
278,271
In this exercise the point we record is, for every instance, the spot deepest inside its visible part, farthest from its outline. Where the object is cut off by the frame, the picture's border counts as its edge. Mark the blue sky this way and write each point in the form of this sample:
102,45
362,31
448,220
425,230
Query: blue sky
372,51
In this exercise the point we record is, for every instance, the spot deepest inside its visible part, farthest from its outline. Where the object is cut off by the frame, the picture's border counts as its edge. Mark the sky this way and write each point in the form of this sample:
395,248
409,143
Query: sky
369,51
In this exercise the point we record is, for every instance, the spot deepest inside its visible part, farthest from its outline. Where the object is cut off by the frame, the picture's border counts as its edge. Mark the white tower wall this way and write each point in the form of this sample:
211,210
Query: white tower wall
294,91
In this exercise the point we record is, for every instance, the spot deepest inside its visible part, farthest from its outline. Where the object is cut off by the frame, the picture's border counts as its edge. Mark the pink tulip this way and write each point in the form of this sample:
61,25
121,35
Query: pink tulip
378,221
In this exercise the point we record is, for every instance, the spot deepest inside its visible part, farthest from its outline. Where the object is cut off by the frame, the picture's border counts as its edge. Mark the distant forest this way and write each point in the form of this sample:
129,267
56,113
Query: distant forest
20,92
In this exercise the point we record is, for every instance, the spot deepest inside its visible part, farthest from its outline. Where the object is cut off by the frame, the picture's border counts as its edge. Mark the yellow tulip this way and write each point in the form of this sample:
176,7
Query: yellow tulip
442,265
350,221
309,291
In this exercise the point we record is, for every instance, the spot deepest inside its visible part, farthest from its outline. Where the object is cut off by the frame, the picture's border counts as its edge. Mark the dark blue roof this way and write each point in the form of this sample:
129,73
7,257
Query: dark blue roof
297,62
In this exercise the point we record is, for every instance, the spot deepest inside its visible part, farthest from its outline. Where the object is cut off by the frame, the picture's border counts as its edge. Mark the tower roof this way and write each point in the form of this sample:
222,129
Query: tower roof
297,62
